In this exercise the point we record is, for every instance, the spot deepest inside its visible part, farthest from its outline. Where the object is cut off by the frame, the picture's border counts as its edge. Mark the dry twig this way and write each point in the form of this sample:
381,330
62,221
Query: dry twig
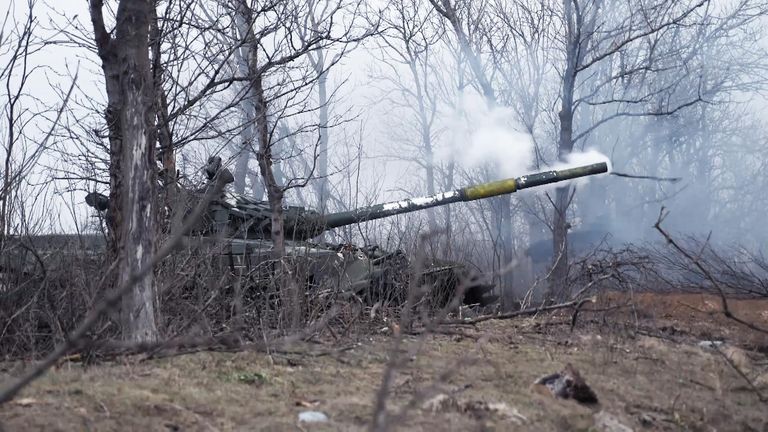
515,314
110,302
743,375
695,261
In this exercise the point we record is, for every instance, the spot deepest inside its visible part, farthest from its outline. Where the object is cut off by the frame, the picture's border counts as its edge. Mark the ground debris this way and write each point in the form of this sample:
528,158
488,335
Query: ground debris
478,409
568,384
762,381
481,409
607,422
440,403
739,358
710,344
312,417
26,401
307,403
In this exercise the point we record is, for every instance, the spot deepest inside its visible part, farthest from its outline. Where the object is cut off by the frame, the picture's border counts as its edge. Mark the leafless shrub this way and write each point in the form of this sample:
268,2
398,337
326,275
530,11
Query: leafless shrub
655,267
205,291
710,277
49,284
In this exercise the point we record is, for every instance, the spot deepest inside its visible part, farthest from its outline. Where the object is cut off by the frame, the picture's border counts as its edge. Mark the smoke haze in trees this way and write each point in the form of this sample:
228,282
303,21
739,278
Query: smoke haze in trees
485,136
718,148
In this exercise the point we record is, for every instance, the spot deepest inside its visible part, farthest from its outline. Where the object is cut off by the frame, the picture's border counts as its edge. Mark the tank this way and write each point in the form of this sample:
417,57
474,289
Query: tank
235,233
226,277
373,274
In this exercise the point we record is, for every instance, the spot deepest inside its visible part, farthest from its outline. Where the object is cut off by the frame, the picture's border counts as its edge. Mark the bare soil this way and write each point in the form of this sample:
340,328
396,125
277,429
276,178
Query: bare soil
643,361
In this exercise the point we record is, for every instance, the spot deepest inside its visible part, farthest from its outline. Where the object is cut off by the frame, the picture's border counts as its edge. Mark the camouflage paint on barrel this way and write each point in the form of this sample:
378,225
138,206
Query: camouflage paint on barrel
491,189
470,193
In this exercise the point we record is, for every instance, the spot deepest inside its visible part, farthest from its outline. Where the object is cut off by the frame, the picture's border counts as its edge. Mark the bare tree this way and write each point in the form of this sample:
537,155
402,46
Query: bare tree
318,59
469,22
133,171
605,46
408,43
279,37
22,146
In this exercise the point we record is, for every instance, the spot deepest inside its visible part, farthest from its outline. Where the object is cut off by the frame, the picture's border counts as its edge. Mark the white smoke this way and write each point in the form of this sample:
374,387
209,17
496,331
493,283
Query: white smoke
484,136
577,159
588,157
508,151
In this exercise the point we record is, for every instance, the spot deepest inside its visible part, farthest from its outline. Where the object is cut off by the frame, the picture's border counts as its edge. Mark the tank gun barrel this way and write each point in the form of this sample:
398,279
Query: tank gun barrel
469,193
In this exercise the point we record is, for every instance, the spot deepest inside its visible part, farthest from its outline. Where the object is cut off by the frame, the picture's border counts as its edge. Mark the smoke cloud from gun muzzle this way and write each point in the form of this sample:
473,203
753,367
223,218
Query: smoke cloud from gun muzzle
484,137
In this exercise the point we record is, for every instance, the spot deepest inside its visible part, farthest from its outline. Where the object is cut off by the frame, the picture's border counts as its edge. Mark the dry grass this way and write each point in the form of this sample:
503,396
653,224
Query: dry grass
643,381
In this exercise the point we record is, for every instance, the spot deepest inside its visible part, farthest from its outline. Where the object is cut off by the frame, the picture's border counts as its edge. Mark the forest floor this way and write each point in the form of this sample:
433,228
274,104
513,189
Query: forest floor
646,363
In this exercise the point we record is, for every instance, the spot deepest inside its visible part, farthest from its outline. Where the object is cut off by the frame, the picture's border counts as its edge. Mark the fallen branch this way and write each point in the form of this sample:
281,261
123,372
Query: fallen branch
576,304
230,342
515,314
192,345
743,375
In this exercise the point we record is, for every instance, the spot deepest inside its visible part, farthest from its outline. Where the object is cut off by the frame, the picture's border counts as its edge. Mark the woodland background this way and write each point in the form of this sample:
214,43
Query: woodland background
335,104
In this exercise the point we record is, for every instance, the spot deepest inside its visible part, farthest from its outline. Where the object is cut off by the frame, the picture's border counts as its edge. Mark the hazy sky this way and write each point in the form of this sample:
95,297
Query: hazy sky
495,142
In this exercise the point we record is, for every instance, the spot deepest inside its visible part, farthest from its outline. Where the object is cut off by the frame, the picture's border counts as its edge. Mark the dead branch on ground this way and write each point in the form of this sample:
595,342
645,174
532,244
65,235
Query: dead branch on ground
743,375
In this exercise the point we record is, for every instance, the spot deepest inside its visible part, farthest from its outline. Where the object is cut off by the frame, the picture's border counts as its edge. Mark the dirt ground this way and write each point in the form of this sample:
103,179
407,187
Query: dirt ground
646,364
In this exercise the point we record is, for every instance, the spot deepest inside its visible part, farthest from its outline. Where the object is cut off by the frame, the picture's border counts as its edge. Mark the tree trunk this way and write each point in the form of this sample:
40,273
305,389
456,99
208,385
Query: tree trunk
448,214
559,276
285,284
558,288
243,158
139,322
247,140
426,142
139,168
5,187
132,170
243,20
173,204
507,250
502,205
274,191
257,188
322,159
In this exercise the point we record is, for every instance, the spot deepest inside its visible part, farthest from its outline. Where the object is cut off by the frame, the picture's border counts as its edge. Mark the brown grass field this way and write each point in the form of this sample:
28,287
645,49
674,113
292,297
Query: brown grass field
642,359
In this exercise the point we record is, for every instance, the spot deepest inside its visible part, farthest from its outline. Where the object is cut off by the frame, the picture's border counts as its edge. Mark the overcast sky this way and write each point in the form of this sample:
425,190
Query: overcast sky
61,63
